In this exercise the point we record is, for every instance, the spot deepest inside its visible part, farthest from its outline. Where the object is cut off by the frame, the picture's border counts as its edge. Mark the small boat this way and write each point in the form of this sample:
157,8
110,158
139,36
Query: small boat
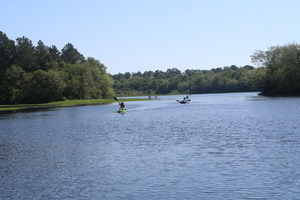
122,111
184,101
122,108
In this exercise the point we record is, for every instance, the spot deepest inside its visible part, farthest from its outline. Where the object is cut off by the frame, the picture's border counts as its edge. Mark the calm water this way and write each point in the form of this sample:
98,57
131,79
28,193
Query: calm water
220,146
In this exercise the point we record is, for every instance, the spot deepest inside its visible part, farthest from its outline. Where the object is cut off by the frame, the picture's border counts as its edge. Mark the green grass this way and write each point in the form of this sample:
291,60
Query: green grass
68,103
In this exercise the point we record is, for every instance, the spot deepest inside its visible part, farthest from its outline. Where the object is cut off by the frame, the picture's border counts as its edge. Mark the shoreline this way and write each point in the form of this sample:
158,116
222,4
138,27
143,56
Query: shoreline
57,104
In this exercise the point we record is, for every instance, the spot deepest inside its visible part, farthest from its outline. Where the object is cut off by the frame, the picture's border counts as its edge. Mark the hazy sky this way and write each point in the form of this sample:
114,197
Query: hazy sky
143,35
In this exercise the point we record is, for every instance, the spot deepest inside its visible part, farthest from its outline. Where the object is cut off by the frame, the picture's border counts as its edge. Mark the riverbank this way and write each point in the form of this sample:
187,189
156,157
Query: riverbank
68,103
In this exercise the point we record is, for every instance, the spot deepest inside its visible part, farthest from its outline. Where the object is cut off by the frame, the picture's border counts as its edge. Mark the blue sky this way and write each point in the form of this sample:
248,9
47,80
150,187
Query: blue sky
143,35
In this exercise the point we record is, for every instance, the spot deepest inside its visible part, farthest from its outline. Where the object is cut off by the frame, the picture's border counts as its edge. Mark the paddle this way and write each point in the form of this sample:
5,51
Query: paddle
119,102
116,99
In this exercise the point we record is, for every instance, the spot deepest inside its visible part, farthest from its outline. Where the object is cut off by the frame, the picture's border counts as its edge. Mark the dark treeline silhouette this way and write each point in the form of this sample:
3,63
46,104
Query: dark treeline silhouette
37,74
173,81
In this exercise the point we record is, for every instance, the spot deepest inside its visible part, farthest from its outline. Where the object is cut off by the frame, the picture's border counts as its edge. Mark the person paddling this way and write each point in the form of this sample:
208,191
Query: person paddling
122,106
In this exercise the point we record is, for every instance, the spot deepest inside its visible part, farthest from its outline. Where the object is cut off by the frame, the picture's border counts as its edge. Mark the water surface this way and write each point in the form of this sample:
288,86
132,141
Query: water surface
219,146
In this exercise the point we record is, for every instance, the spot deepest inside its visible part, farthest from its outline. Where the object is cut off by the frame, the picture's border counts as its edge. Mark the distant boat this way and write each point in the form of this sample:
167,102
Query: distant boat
184,101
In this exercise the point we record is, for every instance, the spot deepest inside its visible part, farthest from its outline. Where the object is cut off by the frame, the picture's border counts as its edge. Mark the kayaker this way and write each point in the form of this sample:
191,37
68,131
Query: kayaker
122,106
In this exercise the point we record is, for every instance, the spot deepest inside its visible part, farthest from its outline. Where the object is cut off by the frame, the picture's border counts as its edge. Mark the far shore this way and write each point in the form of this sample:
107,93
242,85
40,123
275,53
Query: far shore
67,103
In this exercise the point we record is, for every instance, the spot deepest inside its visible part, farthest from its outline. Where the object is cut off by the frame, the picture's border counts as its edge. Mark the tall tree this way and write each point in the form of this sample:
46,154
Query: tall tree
138,74
282,74
148,74
159,74
127,75
173,72
7,53
42,54
25,54
70,55
54,53
96,63
13,87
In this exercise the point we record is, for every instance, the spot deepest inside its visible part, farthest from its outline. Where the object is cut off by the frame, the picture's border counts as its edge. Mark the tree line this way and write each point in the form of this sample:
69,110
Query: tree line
37,74
173,81
277,74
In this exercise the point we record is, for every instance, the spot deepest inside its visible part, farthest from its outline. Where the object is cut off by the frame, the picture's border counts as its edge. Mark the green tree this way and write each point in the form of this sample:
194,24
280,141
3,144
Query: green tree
173,72
14,85
25,55
41,74
138,74
282,74
99,82
118,76
163,85
183,87
257,79
7,53
7,59
42,55
233,67
200,83
70,55
87,80
127,75
147,74
159,74
45,87
54,53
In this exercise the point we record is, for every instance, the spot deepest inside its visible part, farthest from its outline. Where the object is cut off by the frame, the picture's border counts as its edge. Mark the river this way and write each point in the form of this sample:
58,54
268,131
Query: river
218,146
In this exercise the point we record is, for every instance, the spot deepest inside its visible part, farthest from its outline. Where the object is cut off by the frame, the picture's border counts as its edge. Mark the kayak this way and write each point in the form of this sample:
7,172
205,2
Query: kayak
183,102
122,111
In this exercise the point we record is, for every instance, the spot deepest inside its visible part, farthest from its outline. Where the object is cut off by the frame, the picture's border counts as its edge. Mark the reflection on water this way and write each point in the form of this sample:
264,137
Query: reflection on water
220,146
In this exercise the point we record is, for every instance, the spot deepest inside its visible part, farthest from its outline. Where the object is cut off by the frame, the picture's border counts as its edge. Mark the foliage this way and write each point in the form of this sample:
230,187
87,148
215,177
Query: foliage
70,55
30,74
44,86
278,73
280,70
173,81
43,74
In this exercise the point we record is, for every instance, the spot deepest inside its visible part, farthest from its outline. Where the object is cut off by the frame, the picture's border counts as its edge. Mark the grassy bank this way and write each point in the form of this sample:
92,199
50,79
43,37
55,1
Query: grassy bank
68,103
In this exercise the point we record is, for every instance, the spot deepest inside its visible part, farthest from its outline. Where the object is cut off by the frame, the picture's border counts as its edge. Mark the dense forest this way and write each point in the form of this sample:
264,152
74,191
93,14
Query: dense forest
37,74
279,71
277,74
173,81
